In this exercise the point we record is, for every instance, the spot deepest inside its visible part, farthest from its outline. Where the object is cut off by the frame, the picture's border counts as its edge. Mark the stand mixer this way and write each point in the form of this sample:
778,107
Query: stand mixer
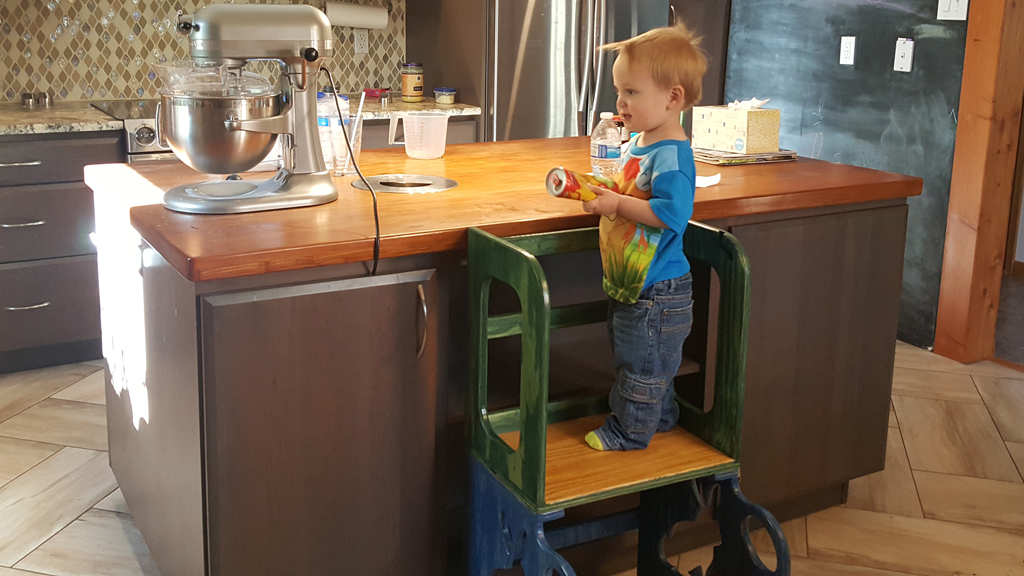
229,128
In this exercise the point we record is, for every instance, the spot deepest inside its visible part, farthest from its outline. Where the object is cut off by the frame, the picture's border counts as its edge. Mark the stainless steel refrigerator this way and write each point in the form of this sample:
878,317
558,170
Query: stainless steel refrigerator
534,66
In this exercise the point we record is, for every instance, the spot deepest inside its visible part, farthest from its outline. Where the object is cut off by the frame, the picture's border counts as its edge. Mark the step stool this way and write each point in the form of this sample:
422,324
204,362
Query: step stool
530,463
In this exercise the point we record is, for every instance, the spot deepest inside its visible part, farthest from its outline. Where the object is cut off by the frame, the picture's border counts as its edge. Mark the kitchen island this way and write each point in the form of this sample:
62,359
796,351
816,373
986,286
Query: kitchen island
264,392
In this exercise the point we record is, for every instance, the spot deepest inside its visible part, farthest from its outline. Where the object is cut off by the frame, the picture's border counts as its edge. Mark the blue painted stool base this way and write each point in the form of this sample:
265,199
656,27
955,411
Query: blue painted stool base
503,531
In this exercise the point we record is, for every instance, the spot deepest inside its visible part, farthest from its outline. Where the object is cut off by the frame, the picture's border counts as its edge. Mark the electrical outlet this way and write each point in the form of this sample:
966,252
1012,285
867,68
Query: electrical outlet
952,9
904,55
362,41
847,47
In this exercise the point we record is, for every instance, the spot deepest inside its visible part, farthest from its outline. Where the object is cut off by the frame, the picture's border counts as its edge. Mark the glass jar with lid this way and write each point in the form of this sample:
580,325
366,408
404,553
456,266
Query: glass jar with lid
412,82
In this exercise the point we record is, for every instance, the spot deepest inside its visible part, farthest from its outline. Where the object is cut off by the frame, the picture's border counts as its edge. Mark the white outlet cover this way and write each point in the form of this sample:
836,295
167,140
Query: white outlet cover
904,55
847,50
952,10
362,43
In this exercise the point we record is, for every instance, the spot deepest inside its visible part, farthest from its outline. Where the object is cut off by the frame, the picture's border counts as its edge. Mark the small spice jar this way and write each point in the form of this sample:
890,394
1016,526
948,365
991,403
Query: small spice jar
412,82
444,95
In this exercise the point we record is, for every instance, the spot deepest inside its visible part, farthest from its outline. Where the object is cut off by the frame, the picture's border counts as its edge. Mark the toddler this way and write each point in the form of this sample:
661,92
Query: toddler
657,75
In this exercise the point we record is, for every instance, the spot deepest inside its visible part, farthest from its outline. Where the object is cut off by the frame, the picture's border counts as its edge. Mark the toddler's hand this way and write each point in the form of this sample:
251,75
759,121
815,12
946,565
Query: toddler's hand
606,203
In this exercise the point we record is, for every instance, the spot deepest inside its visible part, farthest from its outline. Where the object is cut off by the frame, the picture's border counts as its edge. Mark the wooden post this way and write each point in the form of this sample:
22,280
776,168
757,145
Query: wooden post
981,188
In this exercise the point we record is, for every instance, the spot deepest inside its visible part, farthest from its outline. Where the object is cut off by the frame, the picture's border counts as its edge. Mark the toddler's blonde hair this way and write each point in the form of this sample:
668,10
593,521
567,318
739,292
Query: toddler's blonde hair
671,55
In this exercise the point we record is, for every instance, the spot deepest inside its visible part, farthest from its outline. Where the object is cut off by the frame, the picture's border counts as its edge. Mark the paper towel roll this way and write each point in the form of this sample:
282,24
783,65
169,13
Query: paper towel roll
356,16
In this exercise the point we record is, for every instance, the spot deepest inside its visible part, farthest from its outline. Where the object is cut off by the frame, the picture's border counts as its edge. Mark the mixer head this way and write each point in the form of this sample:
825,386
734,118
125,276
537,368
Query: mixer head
235,33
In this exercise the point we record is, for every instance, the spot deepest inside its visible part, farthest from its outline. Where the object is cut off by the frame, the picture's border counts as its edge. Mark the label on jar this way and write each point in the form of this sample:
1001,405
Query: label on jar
412,85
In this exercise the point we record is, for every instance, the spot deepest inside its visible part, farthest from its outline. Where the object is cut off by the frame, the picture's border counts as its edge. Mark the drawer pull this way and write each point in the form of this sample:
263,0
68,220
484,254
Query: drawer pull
20,164
19,308
25,225
423,303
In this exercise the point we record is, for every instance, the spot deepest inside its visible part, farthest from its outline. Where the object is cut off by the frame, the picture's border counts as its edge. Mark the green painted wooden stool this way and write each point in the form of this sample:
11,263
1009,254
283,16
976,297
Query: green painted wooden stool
530,463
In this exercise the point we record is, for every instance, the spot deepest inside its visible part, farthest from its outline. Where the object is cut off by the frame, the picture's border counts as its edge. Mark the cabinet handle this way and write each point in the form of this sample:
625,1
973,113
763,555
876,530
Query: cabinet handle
423,303
20,164
25,225
19,308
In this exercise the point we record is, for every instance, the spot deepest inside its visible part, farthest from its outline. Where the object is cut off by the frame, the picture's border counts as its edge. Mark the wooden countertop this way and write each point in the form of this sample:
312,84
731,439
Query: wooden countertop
501,189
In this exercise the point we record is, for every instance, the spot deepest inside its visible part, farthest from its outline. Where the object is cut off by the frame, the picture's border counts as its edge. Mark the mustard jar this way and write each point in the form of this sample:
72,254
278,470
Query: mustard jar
412,82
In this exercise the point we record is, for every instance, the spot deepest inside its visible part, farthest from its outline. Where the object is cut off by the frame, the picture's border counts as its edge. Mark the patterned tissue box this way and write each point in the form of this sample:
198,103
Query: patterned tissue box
744,131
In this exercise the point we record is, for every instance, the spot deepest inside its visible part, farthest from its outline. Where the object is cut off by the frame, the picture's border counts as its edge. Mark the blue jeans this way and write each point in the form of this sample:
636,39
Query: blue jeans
647,338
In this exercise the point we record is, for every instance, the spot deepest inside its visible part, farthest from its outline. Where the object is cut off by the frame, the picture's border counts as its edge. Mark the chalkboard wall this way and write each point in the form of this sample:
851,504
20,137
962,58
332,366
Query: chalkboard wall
867,114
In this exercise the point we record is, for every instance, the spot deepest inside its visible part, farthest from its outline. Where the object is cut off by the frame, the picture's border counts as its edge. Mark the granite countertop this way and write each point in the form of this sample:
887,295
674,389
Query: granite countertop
373,111
62,117
80,116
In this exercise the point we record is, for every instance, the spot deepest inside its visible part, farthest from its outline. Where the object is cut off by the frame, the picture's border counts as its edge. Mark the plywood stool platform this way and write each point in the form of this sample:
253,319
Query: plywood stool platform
576,471
530,462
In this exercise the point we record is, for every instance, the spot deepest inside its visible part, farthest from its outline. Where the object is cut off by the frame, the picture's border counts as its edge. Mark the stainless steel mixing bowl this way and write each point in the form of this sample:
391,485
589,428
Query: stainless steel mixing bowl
194,128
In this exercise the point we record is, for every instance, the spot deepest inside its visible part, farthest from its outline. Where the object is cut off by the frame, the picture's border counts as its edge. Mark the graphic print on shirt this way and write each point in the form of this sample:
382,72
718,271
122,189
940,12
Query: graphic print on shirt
627,246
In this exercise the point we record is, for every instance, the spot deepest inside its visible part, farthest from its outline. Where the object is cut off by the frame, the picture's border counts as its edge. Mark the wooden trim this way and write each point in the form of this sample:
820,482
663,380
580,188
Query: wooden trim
992,92
1008,364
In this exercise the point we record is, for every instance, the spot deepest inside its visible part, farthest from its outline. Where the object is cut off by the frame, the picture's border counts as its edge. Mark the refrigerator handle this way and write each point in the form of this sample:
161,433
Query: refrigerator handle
602,29
588,53
494,75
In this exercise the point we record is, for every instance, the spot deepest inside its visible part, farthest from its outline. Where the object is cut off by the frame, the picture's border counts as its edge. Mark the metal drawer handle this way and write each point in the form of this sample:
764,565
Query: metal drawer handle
25,225
19,164
19,308
423,303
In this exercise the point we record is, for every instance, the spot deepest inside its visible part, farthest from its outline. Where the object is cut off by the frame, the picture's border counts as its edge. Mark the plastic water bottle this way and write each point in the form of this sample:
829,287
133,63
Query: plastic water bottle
332,142
605,143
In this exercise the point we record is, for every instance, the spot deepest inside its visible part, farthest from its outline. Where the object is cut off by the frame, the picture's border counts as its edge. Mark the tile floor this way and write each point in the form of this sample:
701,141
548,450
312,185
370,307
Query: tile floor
949,502
951,498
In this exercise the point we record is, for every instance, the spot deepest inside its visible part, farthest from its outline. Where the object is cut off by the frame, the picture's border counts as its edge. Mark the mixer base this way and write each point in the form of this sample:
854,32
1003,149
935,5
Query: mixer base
284,190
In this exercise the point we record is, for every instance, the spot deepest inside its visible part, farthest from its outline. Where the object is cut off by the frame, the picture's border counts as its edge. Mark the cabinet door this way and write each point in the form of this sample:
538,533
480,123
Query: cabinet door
825,299
321,412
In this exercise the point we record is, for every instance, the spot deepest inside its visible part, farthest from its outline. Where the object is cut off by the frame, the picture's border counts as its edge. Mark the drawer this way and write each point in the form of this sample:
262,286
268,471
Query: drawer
47,221
49,302
46,158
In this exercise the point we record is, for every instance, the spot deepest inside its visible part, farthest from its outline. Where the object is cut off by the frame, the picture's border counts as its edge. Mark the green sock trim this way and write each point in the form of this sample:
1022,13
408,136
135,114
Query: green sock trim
593,441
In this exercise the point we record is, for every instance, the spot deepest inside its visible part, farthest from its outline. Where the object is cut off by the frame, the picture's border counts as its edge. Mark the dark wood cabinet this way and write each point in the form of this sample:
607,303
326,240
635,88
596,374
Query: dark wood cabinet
58,157
45,221
48,302
354,488
310,438
825,298
294,427
49,296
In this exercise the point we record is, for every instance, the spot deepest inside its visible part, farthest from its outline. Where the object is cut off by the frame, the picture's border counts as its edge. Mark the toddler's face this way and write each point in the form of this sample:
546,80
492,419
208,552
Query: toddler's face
642,104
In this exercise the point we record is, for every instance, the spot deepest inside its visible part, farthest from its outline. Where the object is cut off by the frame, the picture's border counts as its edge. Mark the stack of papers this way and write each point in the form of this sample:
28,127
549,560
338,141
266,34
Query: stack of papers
723,158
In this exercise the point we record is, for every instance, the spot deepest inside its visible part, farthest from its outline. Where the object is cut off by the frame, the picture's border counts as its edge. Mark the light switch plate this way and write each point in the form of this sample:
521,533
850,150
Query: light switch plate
847,49
904,55
952,9
362,41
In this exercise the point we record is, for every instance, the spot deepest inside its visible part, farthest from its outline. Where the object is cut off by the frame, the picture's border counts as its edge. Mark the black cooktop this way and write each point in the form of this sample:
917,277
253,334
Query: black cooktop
128,109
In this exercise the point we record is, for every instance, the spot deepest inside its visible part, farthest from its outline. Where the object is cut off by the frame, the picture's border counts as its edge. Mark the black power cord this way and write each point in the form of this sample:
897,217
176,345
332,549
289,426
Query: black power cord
352,156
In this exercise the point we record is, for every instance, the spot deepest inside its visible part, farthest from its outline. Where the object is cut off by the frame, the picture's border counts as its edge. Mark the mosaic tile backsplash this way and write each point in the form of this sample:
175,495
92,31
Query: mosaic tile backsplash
103,49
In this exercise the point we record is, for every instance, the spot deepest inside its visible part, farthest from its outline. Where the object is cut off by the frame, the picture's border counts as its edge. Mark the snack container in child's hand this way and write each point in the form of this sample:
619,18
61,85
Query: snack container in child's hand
564,183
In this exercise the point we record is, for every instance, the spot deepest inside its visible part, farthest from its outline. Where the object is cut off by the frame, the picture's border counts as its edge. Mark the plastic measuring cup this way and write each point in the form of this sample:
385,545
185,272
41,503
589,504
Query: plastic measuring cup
425,133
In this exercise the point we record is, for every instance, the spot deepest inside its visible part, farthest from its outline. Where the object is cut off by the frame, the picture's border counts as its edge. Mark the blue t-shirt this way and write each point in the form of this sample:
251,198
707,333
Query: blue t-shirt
664,174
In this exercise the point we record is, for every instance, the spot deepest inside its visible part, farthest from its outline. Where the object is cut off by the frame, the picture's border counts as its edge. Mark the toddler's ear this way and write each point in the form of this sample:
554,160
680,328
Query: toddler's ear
677,95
